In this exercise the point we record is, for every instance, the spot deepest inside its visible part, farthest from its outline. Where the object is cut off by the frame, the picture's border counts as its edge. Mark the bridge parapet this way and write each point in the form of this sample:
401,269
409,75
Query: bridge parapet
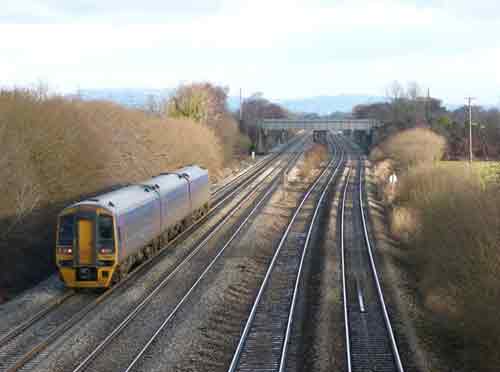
320,124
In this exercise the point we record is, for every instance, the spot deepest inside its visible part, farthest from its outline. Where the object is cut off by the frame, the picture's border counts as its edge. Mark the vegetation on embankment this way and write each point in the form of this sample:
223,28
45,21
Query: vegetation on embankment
206,104
412,106
314,157
446,219
55,151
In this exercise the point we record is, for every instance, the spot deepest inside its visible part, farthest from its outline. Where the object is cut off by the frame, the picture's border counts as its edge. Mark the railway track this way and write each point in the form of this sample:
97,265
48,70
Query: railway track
217,195
21,327
33,333
254,169
18,347
265,339
185,279
370,341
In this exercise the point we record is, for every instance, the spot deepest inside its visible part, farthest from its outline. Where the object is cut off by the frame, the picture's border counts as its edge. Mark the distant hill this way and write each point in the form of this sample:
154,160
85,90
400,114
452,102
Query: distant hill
325,105
322,105
135,98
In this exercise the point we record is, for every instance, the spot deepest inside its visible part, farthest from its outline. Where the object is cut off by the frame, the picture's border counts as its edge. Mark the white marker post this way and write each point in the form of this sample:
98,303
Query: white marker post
393,179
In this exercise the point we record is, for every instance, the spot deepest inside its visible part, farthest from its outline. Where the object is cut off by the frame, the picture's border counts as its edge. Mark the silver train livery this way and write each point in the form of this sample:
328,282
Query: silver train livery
100,239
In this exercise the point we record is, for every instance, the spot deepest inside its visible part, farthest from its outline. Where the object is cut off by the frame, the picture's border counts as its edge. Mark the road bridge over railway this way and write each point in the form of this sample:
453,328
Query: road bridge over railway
320,124
276,130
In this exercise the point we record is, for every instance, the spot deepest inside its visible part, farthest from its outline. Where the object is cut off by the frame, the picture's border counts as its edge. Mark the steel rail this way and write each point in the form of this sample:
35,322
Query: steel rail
261,164
82,365
387,320
380,297
344,285
288,332
60,330
236,357
20,328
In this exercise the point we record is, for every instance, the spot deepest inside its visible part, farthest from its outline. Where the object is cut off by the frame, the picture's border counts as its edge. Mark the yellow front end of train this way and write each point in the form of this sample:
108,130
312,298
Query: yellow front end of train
86,248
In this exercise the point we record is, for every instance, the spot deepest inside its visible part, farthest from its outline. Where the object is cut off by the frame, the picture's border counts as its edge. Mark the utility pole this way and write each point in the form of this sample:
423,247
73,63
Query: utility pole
241,106
469,101
427,108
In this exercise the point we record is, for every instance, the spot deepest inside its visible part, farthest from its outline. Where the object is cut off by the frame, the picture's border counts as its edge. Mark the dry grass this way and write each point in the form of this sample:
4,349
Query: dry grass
313,159
234,143
54,151
447,217
411,147
404,223
452,233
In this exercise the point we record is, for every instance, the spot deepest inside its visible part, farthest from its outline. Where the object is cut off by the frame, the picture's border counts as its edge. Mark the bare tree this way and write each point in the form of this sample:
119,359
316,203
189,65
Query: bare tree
152,105
395,91
413,91
256,108
396,95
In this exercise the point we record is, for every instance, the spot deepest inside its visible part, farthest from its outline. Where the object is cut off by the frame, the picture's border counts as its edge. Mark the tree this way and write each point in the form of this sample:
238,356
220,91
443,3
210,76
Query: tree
202,102
153,105
256,108
205,103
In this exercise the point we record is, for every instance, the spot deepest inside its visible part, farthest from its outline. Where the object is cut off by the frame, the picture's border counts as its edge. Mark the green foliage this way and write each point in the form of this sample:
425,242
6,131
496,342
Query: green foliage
206,104
191,106
445,121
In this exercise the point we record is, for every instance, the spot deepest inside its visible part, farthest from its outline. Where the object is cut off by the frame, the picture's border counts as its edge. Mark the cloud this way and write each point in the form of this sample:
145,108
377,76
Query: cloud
479,9
115,11
261,45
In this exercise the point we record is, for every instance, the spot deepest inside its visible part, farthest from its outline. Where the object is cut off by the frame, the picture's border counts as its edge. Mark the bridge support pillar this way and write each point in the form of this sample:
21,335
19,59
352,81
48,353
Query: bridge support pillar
320,136
261,146
284,136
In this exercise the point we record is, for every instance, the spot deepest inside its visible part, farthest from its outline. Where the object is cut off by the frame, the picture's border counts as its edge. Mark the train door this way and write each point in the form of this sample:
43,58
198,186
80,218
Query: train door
85,241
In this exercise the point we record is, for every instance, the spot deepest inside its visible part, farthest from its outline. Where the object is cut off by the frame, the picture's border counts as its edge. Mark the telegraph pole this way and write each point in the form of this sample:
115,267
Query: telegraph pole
469,100
427,106
241,105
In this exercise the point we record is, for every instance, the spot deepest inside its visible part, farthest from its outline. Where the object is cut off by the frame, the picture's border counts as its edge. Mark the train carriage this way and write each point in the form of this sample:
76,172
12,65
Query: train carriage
100,239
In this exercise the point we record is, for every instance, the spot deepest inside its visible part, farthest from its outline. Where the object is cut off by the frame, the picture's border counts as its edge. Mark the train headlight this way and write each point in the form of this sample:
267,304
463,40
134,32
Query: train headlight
106,250
65,250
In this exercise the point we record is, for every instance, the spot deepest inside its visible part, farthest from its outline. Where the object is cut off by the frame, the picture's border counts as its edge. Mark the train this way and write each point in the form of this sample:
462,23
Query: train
100,239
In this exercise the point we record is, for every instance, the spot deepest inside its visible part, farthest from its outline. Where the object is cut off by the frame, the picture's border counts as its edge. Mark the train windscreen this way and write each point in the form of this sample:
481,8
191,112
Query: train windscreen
106,235
66,230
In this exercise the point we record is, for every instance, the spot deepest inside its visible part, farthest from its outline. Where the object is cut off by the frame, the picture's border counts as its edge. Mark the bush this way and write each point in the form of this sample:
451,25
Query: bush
411,147
313,158
447,217
454,254
56,151
205,103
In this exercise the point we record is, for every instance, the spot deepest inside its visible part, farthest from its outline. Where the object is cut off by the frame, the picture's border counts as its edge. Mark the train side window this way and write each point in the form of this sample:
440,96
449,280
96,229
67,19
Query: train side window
66,229
106,229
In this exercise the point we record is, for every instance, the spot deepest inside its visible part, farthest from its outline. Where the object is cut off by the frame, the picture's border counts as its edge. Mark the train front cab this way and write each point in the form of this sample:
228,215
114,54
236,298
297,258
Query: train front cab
86,248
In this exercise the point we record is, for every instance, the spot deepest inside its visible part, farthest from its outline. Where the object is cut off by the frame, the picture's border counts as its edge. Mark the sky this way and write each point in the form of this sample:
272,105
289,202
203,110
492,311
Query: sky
282,48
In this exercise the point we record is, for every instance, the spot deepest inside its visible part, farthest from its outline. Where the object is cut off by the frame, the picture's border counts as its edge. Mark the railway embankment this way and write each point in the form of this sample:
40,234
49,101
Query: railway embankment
56,151
437,232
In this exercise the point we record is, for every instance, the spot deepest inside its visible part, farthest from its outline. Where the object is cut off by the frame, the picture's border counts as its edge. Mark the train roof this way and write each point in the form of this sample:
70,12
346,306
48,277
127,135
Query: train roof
171,180
121,200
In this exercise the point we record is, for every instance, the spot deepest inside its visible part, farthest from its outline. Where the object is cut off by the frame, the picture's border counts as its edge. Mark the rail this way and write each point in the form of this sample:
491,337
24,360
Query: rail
365,316
130,317
67,324
250,321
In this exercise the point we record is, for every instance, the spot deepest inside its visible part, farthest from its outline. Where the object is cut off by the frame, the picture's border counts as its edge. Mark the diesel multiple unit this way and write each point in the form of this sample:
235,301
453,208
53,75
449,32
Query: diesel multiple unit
100,239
